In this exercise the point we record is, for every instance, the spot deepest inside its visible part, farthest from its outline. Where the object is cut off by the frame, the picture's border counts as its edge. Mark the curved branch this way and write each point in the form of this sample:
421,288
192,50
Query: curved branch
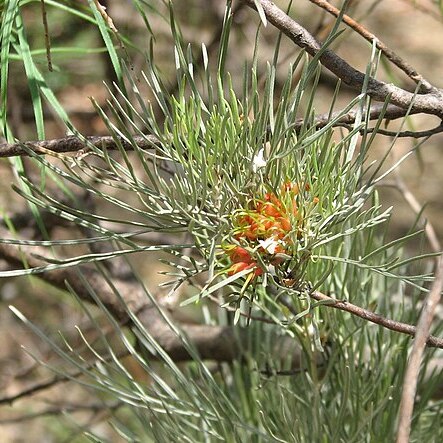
430,103
220,343
370,37
57,379
404,328
415,359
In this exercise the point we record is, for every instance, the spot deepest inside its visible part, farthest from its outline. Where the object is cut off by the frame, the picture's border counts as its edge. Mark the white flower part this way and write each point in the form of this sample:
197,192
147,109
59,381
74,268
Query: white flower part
269,245
311,330
259,160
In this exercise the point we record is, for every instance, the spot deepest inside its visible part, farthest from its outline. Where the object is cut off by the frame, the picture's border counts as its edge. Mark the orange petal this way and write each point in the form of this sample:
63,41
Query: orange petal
239,254
285,224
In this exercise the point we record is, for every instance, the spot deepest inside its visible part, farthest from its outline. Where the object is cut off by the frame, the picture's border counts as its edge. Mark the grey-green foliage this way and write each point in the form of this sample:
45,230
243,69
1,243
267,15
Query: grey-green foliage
198,173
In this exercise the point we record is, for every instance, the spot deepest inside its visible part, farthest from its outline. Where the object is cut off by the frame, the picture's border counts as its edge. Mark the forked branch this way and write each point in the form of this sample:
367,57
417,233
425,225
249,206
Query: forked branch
389,53
429,103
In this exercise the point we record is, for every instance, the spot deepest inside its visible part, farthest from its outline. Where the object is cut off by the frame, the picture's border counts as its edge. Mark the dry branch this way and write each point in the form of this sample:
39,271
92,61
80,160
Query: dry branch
365,314
413,369
74,144
370,37
79,146
429,103
212,342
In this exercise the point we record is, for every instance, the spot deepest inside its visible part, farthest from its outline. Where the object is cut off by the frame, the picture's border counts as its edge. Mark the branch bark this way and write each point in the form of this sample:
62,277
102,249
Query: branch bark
414,363
74,144
429,103
404,328
370,37
212,342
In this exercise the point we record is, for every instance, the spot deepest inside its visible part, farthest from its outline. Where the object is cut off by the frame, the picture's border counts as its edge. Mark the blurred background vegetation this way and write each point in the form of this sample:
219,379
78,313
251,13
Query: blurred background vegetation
81,66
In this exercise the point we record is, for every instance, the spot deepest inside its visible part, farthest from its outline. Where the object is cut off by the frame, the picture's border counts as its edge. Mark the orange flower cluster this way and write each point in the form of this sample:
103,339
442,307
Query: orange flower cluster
264,229
241,260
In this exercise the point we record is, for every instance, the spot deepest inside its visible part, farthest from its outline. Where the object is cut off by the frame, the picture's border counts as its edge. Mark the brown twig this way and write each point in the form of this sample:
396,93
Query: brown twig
414,363
399,134
285,373
391,112
416,207
430,103
57,379
404,328
370,37
424,323
74,144
410,134
219,343
47,37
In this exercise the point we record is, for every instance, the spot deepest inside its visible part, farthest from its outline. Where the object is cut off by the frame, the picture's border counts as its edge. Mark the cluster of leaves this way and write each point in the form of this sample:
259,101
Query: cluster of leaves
293,209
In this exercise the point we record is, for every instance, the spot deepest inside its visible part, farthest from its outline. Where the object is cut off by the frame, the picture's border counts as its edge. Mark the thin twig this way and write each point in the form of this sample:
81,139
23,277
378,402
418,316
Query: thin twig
430,103
391,112
287,373
429,228
47,37
413,369
404,328
57,379
411,134
398,134
370,37
62,409
74,144
424,323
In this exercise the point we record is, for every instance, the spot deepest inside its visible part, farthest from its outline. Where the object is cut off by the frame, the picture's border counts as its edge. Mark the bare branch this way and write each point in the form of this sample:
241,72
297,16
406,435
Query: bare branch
134,297
211,342
430,103
391,112
411,134
399,134
74,144
414,363
47,37
370,37
417,207
57,379
404,328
